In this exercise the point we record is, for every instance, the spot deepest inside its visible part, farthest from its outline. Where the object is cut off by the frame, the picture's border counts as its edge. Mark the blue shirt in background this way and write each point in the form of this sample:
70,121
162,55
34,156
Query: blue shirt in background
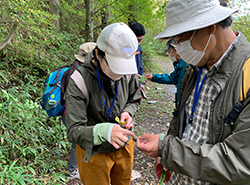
173,78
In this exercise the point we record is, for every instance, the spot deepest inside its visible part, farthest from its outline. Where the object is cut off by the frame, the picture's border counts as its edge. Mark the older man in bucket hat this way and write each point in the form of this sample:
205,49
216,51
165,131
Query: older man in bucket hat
208,142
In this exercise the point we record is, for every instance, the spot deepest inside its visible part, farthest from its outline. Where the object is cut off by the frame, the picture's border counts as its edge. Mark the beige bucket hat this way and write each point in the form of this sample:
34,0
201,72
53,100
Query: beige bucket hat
84,50
188,15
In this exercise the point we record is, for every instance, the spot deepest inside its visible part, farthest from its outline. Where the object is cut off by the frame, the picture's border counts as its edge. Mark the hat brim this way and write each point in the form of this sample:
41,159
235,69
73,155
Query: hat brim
80,58
122,66
197,22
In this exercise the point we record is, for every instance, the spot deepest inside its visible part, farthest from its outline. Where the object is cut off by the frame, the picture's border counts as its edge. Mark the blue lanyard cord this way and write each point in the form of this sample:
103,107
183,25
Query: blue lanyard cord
116,92
197,93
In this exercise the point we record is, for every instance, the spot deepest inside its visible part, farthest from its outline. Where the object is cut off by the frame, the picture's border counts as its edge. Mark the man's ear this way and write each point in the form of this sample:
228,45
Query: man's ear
212,29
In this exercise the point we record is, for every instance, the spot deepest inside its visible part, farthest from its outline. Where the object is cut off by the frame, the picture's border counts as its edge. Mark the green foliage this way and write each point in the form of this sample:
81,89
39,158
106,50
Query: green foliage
27,140
242,24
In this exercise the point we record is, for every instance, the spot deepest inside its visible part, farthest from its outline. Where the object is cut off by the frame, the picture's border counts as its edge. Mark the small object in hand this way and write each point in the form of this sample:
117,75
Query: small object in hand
117,119
163,175
135,139
142,79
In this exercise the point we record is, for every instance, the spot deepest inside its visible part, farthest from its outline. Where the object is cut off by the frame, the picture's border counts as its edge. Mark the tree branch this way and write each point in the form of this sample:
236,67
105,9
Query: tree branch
107,23
104,6
9,37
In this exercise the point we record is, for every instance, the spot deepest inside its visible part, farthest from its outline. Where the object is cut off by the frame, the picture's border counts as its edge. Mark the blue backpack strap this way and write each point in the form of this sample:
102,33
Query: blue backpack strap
78,79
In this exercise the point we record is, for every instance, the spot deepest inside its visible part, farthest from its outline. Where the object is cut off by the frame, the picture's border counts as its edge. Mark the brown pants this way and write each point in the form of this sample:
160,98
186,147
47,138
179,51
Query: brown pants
107,168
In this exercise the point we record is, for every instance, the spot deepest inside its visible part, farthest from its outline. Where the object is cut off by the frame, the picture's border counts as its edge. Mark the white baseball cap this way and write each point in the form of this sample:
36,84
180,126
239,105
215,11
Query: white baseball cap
84,50
188,15
119,43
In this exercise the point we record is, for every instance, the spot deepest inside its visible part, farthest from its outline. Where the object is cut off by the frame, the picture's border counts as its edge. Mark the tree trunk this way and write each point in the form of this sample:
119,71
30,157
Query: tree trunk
89,36
131,17
54,9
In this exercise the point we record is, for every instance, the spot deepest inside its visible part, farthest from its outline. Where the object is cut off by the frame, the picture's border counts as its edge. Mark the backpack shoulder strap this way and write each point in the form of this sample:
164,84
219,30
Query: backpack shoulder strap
77,77
245,80
245,87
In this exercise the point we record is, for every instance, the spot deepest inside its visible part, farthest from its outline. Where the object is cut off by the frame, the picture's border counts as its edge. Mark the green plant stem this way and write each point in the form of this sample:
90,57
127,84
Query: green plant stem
163,174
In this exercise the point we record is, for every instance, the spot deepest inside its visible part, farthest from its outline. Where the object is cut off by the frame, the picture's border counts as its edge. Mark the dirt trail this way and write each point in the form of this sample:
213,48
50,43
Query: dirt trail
153,118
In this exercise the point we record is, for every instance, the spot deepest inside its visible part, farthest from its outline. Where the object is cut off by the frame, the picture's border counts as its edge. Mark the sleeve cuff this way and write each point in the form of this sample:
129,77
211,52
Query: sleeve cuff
109,133
160,144
102,133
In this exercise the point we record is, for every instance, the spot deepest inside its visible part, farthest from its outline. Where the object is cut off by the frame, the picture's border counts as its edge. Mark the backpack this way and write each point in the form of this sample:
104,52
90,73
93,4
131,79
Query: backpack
53,99
52,93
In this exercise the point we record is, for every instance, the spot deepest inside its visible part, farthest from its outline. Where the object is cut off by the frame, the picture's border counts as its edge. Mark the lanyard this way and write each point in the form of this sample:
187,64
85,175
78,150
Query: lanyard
197,93
116,92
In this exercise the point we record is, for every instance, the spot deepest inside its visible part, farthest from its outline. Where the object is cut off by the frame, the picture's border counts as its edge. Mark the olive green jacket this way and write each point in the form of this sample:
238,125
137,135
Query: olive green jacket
226,158
82,116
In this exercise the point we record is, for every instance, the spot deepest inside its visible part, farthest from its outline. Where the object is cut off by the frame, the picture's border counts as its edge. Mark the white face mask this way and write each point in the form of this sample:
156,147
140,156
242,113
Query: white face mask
188,54
107,71
172,58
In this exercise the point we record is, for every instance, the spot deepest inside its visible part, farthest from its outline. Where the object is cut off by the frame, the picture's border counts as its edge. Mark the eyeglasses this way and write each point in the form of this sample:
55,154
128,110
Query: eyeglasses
178,38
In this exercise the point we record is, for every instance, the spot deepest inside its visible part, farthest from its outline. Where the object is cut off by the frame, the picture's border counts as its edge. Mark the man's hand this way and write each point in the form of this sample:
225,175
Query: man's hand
149,77
148,144
125,117
119,136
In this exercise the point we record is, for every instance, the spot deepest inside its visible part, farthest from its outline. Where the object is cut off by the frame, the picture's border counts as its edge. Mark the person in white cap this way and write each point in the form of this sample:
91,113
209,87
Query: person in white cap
104,146
208,142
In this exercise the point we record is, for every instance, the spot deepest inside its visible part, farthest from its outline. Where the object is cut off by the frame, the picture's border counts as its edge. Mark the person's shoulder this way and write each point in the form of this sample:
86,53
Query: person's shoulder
182,62
139,48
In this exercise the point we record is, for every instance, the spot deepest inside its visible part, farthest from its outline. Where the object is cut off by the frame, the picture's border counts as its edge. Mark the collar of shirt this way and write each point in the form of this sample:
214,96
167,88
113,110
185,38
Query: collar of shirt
226,53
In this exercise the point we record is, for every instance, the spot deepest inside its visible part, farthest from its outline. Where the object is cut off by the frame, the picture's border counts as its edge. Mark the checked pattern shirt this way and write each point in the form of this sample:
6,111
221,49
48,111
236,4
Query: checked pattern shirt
198,131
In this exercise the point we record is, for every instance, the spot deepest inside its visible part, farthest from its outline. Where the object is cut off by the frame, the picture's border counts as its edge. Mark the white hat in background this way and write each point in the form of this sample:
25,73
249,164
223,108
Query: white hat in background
188,15
84,50
119,43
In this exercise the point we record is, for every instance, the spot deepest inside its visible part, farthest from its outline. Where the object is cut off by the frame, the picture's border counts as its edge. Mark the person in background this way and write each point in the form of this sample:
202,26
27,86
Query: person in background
85,48
208,142
105,149
180,66
139,31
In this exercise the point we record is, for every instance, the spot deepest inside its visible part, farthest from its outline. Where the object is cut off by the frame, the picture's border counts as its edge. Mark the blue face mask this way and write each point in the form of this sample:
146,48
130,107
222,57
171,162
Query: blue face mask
188,54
